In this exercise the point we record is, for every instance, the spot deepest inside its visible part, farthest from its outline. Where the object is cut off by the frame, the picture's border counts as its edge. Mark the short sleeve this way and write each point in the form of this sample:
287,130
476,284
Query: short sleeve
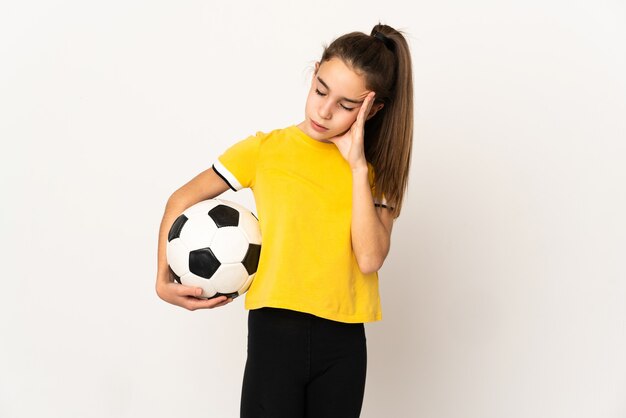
237,165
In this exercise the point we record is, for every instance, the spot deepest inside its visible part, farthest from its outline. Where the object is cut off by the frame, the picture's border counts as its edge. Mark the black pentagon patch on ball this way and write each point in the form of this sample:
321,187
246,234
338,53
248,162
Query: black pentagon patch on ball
224,215
228,295
251,260
203,263
177,226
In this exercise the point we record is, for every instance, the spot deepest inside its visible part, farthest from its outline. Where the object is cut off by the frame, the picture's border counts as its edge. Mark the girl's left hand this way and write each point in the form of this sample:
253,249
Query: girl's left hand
350,144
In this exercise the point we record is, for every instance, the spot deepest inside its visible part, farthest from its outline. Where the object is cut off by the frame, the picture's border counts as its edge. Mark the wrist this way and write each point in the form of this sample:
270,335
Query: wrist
360,168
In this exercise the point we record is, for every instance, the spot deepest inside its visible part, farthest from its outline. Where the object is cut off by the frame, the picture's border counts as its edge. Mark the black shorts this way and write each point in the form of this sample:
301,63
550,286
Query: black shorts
300,365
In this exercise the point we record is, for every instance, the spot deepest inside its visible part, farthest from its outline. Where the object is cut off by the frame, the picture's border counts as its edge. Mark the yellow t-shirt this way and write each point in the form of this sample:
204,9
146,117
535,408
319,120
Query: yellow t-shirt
303,193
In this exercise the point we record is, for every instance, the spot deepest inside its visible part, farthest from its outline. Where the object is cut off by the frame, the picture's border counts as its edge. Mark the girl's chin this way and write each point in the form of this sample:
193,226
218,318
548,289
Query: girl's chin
320,136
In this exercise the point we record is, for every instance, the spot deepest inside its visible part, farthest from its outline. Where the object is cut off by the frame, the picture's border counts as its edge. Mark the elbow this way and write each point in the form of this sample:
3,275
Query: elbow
172,200
371,259
370,264
178,200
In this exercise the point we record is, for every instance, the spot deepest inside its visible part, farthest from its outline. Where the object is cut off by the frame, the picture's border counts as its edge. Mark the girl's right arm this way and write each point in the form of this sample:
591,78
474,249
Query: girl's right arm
205,185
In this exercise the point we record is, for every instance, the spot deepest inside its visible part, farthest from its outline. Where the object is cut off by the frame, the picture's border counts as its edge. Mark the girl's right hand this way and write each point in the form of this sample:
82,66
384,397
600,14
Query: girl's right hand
188,297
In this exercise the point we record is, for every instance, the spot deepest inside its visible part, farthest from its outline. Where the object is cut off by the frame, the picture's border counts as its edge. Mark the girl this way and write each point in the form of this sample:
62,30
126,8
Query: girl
327,191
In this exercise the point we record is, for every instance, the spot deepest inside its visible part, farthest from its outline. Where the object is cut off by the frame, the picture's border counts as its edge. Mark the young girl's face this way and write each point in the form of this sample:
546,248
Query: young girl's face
334,100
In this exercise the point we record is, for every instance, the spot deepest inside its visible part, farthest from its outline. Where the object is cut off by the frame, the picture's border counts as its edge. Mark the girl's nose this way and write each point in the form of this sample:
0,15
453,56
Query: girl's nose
325,110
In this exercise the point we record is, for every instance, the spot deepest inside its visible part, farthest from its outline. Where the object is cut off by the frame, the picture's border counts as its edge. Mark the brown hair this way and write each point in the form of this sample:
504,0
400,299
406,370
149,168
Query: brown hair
385,61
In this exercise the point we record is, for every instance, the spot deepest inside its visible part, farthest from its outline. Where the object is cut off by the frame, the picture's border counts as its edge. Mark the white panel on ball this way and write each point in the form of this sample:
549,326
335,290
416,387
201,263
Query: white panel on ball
247,284
250,227
198,232
229,278
229,245
178,257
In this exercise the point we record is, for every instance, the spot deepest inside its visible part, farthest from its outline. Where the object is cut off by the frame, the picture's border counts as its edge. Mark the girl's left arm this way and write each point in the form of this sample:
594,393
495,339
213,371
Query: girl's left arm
371,226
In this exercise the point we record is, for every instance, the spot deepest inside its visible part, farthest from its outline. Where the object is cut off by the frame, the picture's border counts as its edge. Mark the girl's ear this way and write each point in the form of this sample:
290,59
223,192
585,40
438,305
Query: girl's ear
375,108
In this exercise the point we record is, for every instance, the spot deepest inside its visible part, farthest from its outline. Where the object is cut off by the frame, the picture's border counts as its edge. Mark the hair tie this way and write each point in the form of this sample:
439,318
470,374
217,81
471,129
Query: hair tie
387,41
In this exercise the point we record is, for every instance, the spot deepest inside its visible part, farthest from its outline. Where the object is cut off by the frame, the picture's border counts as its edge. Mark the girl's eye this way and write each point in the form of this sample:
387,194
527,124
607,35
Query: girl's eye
319,93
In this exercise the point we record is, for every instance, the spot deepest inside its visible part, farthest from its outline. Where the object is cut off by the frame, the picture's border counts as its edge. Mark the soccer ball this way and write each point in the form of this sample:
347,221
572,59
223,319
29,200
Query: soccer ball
215,244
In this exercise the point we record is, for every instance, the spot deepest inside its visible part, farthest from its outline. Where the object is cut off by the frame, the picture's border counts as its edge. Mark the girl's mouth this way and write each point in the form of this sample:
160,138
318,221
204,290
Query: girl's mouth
318,127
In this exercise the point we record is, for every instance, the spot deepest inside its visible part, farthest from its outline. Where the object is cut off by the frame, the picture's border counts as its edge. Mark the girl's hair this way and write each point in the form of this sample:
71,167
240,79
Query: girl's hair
385,61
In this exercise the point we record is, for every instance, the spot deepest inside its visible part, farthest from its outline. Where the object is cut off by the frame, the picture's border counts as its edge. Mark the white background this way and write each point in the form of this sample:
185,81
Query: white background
504,292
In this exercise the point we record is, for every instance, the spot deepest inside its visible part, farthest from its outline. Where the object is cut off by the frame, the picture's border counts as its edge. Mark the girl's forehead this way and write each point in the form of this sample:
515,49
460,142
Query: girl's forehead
341,78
